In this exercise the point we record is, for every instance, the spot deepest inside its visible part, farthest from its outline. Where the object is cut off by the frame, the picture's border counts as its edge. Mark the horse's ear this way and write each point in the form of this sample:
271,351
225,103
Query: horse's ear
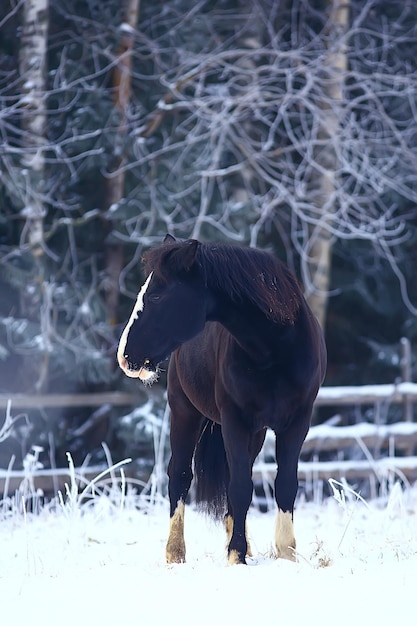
169,238
186,254
181,257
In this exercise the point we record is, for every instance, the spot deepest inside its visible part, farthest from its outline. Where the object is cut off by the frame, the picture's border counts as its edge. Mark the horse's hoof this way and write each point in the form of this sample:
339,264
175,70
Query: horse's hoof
236,558
174,554
287,553
174,558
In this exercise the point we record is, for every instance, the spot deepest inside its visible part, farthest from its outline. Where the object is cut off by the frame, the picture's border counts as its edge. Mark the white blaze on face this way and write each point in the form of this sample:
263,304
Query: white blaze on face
141,373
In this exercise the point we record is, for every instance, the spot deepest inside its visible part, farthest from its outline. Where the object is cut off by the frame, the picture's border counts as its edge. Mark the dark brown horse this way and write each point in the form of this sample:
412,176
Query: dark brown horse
248,355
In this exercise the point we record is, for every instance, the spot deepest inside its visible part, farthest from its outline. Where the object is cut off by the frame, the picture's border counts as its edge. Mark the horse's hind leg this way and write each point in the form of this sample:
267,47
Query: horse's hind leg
185,430
255,447
288,447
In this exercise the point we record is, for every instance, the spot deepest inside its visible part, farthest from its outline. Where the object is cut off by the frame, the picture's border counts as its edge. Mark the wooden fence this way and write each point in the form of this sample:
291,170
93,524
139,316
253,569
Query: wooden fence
383,449
357,452
396,393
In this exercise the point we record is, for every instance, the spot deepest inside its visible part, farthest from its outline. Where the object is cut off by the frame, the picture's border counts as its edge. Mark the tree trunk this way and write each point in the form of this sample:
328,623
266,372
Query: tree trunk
35,302
122,79
326,165
33,50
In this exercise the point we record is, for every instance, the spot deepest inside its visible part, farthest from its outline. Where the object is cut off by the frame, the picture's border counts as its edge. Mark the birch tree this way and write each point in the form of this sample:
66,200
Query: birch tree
122,77
52,315
32,65
325,166
33,52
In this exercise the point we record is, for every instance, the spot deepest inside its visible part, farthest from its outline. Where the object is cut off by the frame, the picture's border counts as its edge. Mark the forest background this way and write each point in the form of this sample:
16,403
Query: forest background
289,125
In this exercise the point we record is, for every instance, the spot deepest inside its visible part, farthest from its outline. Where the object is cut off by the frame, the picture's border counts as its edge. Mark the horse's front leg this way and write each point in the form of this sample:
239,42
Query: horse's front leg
183,435
175,548
236,440
288,447
256,444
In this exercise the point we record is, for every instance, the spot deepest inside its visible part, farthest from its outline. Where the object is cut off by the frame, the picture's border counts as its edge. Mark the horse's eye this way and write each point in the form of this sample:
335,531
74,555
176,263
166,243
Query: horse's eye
154,298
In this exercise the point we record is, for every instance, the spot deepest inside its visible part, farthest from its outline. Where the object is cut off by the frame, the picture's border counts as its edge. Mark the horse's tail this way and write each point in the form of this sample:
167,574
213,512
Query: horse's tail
211,471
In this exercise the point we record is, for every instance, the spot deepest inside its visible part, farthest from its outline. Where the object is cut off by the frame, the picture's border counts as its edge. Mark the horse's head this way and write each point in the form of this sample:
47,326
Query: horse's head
170,309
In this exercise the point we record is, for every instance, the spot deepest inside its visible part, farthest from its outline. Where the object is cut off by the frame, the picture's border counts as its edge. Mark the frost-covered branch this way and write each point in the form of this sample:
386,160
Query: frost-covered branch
259,122
6,429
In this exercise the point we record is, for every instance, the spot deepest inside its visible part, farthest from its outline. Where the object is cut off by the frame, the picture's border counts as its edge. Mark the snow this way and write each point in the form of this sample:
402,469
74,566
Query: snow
368,391
102,561
127,28
361,430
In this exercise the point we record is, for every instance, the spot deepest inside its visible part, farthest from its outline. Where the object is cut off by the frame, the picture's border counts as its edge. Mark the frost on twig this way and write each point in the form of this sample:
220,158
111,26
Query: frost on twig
7,427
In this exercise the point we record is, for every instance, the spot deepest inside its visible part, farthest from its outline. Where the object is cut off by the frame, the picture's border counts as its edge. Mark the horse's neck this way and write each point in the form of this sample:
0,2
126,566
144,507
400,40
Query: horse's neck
255,335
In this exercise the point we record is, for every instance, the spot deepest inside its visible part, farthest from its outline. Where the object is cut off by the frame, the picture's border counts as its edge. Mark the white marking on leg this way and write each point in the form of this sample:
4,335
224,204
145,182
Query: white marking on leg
175,549
284,536
142,373
228,525
233,558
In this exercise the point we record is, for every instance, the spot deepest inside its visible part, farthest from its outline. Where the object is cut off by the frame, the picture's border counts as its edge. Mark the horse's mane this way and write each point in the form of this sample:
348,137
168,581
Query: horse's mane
243,274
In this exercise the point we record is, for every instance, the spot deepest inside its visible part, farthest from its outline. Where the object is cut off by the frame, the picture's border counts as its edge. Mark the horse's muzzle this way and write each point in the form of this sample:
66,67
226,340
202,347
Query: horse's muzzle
146,372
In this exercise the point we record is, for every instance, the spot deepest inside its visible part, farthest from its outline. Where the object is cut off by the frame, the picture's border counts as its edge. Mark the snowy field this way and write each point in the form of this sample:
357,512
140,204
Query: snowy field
102,562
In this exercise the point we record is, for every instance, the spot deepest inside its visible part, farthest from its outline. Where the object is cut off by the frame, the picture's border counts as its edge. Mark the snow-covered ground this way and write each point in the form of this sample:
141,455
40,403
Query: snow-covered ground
102,562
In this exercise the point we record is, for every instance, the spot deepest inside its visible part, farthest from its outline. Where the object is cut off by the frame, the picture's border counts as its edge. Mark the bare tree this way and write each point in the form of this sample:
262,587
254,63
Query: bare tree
278,124
282,135
47,276
282,124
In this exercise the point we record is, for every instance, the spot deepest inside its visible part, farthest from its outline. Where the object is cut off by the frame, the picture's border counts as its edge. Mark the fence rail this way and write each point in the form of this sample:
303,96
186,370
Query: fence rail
327,396
396,393
400,467
59,400
48,481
